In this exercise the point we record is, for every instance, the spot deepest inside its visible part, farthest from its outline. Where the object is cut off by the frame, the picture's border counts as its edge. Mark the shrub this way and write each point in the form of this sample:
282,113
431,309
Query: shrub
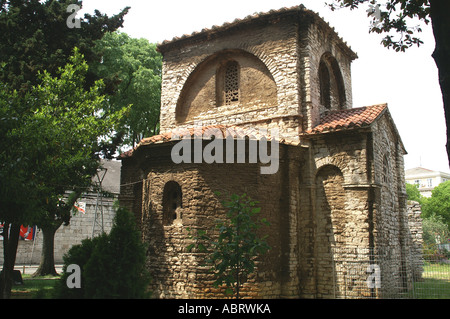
112,266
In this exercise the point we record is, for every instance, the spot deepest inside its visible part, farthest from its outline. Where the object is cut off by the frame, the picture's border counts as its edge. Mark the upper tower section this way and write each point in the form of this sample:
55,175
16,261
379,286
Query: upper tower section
283,68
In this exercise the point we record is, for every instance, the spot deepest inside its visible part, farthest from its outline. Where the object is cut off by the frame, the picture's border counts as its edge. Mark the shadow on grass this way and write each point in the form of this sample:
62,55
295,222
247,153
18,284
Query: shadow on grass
35,288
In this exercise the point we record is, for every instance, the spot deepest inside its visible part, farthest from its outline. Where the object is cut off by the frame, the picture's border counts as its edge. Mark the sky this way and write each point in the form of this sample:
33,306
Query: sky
407,82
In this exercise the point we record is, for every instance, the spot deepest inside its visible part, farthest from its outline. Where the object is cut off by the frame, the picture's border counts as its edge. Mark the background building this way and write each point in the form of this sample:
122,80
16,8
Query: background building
426,179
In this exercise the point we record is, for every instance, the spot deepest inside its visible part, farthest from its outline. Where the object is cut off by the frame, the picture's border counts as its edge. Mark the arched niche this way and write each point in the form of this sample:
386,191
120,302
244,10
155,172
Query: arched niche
172,203
330,220
230,81
331,84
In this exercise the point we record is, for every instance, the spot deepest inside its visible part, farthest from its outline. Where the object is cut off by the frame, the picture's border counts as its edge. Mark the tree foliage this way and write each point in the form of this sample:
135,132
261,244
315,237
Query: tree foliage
35,37
232,254
133,68
18,188
439,203
395,19
56,145
435,230
412,190
71,122
393,15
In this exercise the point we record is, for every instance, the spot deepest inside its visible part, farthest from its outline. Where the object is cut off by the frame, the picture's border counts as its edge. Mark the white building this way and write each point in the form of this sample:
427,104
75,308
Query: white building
426,179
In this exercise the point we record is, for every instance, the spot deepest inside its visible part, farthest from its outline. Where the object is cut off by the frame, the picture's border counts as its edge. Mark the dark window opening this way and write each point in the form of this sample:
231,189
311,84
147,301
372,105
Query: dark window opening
231,83
325,87
172,203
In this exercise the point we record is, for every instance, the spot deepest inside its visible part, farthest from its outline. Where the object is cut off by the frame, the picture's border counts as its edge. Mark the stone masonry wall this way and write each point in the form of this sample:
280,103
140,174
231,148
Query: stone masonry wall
315,40
273,44
177,273
416,232
290,49
80,227
340,215
391,231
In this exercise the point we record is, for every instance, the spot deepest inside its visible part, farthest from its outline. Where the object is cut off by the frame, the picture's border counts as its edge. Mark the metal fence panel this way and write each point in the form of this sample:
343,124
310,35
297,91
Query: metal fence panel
388,272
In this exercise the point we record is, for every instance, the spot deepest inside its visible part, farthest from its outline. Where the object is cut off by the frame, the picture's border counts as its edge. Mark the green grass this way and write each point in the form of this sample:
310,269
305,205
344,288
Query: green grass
32,288
435,283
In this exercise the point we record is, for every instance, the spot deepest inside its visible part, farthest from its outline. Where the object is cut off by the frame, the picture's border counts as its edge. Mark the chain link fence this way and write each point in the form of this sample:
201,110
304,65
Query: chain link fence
388,273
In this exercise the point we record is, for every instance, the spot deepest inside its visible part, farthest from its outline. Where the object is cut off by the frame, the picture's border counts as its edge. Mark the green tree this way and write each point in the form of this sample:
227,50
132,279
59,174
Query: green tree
232,255
53,154
71,121
133,67
412,190
435,230
35,37
18,191
439,203
396,16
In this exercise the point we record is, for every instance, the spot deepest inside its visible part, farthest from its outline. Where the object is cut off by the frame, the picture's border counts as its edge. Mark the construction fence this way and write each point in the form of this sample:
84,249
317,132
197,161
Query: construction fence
388,273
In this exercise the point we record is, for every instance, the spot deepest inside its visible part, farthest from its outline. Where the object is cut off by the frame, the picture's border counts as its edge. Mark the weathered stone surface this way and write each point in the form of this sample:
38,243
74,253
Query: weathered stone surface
338,196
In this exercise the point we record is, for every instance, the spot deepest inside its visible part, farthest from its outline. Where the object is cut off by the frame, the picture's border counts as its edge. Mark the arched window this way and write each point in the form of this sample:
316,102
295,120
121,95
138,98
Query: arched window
324,79
231,83
172,203
331,83
386,169
227,83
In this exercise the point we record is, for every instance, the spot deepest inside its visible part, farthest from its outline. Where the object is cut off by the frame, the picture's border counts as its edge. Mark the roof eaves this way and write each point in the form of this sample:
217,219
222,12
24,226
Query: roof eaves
207,33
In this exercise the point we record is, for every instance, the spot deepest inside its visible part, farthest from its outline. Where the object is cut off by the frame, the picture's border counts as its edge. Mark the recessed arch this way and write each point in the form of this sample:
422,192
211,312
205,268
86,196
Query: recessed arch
331,84
330,221
172,203
204,92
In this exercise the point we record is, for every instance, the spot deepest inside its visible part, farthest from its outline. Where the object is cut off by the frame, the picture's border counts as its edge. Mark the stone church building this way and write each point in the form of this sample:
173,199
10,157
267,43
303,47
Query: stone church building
336,203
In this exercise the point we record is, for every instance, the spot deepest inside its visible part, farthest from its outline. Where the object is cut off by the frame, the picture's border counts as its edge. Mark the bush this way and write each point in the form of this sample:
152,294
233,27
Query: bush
112,266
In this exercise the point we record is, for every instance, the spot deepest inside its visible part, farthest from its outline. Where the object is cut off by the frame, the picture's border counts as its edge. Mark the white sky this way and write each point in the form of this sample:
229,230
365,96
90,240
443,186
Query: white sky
408,82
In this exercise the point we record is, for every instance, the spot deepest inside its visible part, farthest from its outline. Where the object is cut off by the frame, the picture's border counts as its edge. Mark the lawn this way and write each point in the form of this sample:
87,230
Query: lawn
435,284
40,287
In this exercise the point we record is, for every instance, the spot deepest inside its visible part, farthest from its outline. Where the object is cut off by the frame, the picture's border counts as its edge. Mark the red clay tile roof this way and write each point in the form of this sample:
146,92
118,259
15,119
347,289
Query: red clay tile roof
349,119
205,132
332,122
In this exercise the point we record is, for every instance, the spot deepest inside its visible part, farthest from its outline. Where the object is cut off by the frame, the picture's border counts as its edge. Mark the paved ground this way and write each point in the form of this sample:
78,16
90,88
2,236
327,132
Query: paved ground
30,269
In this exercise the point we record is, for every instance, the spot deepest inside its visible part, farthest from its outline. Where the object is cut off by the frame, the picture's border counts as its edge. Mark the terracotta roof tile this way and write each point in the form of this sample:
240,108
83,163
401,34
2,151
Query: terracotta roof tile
348,119
205,132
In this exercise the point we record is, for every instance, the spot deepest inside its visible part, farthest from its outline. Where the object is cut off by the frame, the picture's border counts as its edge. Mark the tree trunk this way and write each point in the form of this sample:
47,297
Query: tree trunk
439,13
47,263
11,241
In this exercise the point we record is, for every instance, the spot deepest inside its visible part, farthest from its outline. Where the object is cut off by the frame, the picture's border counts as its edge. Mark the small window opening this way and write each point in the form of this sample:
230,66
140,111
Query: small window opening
231,89
172,203
325,86
386,170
